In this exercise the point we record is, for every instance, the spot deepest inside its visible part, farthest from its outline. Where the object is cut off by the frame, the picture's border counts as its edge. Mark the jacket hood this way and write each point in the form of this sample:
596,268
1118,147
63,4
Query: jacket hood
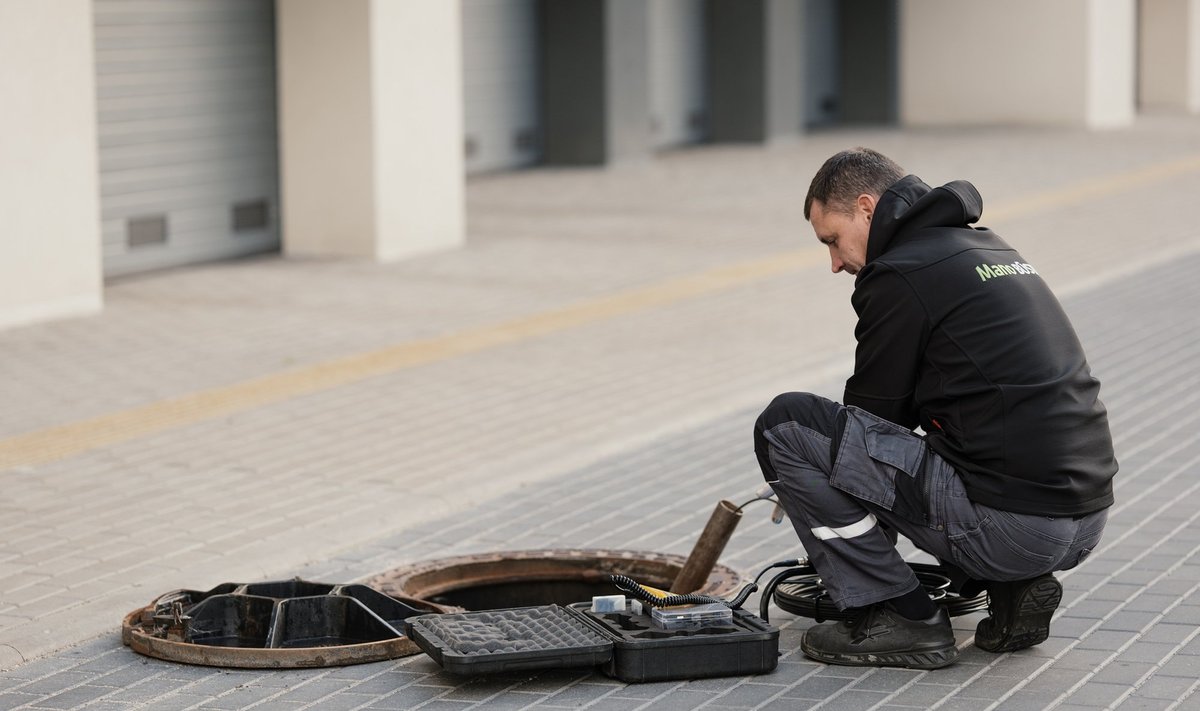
911,205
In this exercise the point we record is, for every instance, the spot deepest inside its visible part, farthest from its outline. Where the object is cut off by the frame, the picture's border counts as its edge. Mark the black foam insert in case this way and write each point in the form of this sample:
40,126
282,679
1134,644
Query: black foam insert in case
628,645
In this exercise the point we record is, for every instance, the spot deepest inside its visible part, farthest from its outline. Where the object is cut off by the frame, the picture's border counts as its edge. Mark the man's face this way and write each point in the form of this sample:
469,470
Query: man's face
844,234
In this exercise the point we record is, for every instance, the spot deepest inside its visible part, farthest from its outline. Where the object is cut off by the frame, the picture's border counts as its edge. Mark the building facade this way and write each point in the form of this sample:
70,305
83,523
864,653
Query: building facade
143,134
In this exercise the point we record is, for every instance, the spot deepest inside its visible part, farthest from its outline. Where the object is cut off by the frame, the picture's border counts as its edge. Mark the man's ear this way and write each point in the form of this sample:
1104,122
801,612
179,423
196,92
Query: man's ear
866,204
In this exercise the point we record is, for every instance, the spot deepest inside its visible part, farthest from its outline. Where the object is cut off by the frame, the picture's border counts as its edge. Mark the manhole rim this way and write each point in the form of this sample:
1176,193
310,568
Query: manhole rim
135,636
257,658
721,581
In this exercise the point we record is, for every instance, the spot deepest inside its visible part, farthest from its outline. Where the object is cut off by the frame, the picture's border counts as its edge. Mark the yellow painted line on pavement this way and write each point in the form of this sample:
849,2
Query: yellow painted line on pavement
1092,189
54,443
60,442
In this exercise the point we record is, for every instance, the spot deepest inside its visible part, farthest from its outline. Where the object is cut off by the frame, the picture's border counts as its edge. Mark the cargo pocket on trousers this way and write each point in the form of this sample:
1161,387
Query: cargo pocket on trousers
875,459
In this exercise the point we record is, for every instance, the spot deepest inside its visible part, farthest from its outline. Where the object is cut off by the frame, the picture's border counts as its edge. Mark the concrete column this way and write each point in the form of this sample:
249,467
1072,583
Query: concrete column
1169,48
1067,62
755,82
595,81
49,185
370,127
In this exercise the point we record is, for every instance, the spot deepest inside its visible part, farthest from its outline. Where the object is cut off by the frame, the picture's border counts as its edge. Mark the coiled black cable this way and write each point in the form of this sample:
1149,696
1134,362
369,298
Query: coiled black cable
739,599
629,585
800,591
764,600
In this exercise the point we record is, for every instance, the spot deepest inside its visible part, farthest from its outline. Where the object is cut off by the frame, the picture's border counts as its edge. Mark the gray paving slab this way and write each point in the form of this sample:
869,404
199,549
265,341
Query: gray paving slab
788,704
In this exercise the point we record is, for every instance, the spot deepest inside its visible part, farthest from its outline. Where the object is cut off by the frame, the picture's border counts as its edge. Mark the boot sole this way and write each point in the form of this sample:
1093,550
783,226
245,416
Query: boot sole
918,659
1031,623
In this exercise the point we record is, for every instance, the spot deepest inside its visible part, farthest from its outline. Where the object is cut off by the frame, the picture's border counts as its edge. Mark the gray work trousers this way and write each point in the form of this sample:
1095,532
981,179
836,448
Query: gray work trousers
840,472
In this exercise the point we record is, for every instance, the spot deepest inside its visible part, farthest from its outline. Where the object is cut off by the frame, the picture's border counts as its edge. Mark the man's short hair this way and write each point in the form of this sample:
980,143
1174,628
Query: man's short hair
848,174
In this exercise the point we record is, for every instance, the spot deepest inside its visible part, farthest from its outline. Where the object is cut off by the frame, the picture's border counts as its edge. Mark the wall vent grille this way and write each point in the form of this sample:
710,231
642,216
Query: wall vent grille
146,230
255,215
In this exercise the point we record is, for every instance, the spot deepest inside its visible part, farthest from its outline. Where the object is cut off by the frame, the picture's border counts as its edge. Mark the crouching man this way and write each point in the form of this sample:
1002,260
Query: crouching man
1012,477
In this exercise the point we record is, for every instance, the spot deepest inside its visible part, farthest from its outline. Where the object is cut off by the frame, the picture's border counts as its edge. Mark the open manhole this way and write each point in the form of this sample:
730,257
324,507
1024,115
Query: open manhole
280,624
492,581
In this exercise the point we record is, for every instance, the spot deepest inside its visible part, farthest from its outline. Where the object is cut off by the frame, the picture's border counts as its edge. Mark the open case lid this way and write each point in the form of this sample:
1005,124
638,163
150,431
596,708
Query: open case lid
520,638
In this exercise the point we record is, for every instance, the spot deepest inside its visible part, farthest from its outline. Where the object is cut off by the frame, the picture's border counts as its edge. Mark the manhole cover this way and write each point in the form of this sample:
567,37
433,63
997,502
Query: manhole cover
280,624
491,581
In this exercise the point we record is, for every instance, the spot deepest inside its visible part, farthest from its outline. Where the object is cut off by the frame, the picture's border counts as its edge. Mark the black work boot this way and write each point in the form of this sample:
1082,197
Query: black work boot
1019,614
881,637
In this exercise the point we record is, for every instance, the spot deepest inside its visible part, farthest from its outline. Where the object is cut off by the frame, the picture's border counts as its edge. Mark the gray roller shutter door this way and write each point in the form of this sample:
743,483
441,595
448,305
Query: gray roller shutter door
185,94
677,64
500,84
822,75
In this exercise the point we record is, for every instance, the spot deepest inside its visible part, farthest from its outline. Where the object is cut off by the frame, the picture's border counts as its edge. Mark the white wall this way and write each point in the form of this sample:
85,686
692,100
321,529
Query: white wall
325,127
417,91
1067,62
1169,64
1193,57
50,236
370,119
1112,63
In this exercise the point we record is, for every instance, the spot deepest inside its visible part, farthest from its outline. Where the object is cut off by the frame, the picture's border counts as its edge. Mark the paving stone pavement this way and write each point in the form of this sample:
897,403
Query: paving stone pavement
618,432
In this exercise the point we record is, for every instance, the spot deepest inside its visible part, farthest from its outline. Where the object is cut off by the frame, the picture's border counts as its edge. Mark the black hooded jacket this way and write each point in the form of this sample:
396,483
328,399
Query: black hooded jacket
957,333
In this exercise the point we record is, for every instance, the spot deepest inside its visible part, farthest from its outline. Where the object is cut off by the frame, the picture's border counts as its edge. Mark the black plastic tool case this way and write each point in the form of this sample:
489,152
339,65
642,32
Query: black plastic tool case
643,651
629,646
